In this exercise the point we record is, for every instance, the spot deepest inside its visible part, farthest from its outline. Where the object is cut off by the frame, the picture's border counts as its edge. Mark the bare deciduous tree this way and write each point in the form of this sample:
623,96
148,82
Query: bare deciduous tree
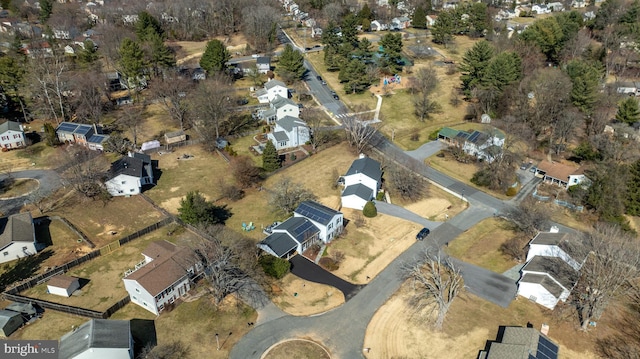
89,95
612,262
212,102
359,134
286,195
422,86
86,172
528,217
172,350
436,282
173,93
407,183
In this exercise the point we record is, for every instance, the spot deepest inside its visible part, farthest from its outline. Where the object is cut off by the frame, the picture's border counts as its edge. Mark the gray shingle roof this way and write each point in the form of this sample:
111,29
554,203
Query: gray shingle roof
280,101
544,280
366,166
290,122
16,228
521,343
557,268
264,60
359,190
280,243
96,333
273,83
280,136
316,212
10,125
549,238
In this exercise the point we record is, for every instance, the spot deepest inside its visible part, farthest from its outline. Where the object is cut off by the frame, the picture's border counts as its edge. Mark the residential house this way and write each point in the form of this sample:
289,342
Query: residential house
401,22
27,310
486,147
588,16
175,136
329,221
578,4
361,182
128,174
115,81
450,5
83,134
547,280
296,234
17,238
11,135
164,276
276,88
378,26
63,285
10,321
263,64
555,6
289,132
431,20
560,174
98,338
520,343
540,9
555,244
280,107
316,32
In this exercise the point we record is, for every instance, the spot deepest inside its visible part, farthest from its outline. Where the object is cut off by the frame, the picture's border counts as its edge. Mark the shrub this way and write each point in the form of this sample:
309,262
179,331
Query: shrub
434,135
415,137
274,266
370,210
512,191
328,263
380,196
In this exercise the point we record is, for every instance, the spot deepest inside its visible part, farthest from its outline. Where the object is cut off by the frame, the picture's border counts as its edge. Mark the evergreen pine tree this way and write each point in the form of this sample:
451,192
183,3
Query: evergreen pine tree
270,158
419,20
504,69
131,60
632,203
88,54
585,78
474,64
215,56
161,55
442,30
628,111
148,26
46,8
291,64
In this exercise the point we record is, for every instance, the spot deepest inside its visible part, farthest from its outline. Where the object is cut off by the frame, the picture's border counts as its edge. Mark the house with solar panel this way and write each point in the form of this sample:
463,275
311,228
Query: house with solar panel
552,268
483,146
128,175
89,136
11,135
361,182
289,132
98,338
520,343
312,223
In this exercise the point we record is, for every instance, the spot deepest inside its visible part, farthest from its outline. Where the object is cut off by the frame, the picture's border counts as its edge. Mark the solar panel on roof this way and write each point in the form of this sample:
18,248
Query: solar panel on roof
474,136
67,127
546,349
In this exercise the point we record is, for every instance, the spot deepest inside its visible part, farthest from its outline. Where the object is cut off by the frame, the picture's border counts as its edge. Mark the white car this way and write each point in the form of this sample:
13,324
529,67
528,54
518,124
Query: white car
255,56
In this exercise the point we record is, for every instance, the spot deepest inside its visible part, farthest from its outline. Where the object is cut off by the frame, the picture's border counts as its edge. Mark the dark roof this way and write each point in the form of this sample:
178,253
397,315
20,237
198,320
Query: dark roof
264,60
280,243
564,241
280,101
16,228
521,343
299,228
548,238
290,122
137,166
96,333
359,190
556,267
78,128
280,136
6,316
97,138
316,212
10,125
142,156
23,308
274,83
544,280
366,166
61,281
166,268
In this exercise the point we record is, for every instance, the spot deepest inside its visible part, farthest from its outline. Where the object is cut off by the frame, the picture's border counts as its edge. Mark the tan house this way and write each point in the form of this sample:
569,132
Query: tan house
560,174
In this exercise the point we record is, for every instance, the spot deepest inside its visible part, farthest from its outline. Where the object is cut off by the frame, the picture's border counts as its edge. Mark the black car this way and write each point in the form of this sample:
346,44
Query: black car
336,97
424,232
319,78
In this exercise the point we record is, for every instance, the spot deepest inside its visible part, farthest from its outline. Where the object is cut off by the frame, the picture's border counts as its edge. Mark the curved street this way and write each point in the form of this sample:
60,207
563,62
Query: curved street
49,181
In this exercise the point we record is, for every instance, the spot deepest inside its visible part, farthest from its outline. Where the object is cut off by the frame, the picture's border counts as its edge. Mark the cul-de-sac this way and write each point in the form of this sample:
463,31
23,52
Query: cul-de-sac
320,179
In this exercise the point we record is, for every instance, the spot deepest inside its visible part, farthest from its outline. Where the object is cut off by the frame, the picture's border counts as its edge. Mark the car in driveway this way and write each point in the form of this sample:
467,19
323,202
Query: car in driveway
424,232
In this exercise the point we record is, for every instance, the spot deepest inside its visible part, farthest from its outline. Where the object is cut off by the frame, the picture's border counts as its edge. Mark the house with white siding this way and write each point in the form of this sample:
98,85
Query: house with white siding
289,132
98,339
17,237
11,135
361,182
129,174
279,108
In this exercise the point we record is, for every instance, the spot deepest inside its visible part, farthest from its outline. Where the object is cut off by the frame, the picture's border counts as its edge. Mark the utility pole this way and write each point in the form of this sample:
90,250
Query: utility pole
217,342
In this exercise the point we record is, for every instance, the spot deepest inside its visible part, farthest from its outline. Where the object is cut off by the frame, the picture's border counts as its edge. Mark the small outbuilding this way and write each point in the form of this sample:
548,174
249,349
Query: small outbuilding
10,321
27,310
63,285
175,136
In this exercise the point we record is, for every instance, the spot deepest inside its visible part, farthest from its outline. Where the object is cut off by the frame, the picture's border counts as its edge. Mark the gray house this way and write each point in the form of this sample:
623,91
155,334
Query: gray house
98,338
296,234
10,321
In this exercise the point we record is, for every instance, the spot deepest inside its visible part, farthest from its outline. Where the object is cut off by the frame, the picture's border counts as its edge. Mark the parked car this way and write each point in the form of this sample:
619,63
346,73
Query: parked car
335,96
424,232
319,78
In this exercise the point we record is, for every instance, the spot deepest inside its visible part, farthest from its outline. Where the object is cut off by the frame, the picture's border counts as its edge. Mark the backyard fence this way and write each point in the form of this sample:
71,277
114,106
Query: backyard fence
76,230
556,201
83,312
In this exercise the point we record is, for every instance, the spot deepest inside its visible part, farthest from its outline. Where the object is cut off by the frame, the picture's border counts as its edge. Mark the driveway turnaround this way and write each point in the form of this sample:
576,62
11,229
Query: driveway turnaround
48,181
307,270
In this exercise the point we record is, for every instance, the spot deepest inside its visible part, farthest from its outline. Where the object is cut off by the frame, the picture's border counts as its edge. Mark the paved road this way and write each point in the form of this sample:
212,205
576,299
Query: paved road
307,270
49,181
401,212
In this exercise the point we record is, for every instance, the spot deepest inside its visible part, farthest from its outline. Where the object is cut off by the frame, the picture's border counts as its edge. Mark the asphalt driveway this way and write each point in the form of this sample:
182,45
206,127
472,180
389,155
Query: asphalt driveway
312,272
427,150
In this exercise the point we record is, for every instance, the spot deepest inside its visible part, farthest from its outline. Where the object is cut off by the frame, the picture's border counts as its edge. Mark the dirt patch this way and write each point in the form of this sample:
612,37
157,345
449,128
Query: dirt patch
297,349
300,297
20,187
393,332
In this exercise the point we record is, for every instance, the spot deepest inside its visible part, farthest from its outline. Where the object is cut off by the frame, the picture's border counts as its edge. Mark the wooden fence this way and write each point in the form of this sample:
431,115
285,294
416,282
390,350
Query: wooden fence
83,312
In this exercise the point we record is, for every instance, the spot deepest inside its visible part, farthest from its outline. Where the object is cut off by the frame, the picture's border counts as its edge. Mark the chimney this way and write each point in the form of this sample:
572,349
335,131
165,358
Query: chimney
554,229
95,129
362,155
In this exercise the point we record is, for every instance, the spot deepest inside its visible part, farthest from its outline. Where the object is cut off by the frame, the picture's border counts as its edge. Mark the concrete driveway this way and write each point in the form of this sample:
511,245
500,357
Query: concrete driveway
401,212
427,150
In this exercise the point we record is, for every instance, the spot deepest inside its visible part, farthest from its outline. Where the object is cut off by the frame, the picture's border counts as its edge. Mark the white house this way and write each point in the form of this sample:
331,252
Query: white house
98,339
578,4
378,26
555,6
11,135
128,174
63,285
279,108
547,280
163,276
276,88
478,144
316,32
401,22
263,64
361,183
289,132
540,9
554,244
560,174
628,88
17,238
296,234
328,221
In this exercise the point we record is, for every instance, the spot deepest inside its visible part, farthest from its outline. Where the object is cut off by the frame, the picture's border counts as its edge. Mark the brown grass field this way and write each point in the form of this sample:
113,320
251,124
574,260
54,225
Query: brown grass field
38,155
300,297
395,331
97,220
480,245
298,348
20,187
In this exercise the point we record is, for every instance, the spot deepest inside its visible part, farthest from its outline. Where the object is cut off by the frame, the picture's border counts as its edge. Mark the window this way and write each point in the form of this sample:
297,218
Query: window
6,253
137,290
132,190
124,182
144,303
134,297
24,248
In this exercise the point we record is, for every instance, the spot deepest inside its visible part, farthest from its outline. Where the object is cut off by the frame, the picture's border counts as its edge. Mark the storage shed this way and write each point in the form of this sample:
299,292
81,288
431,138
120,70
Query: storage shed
63,285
